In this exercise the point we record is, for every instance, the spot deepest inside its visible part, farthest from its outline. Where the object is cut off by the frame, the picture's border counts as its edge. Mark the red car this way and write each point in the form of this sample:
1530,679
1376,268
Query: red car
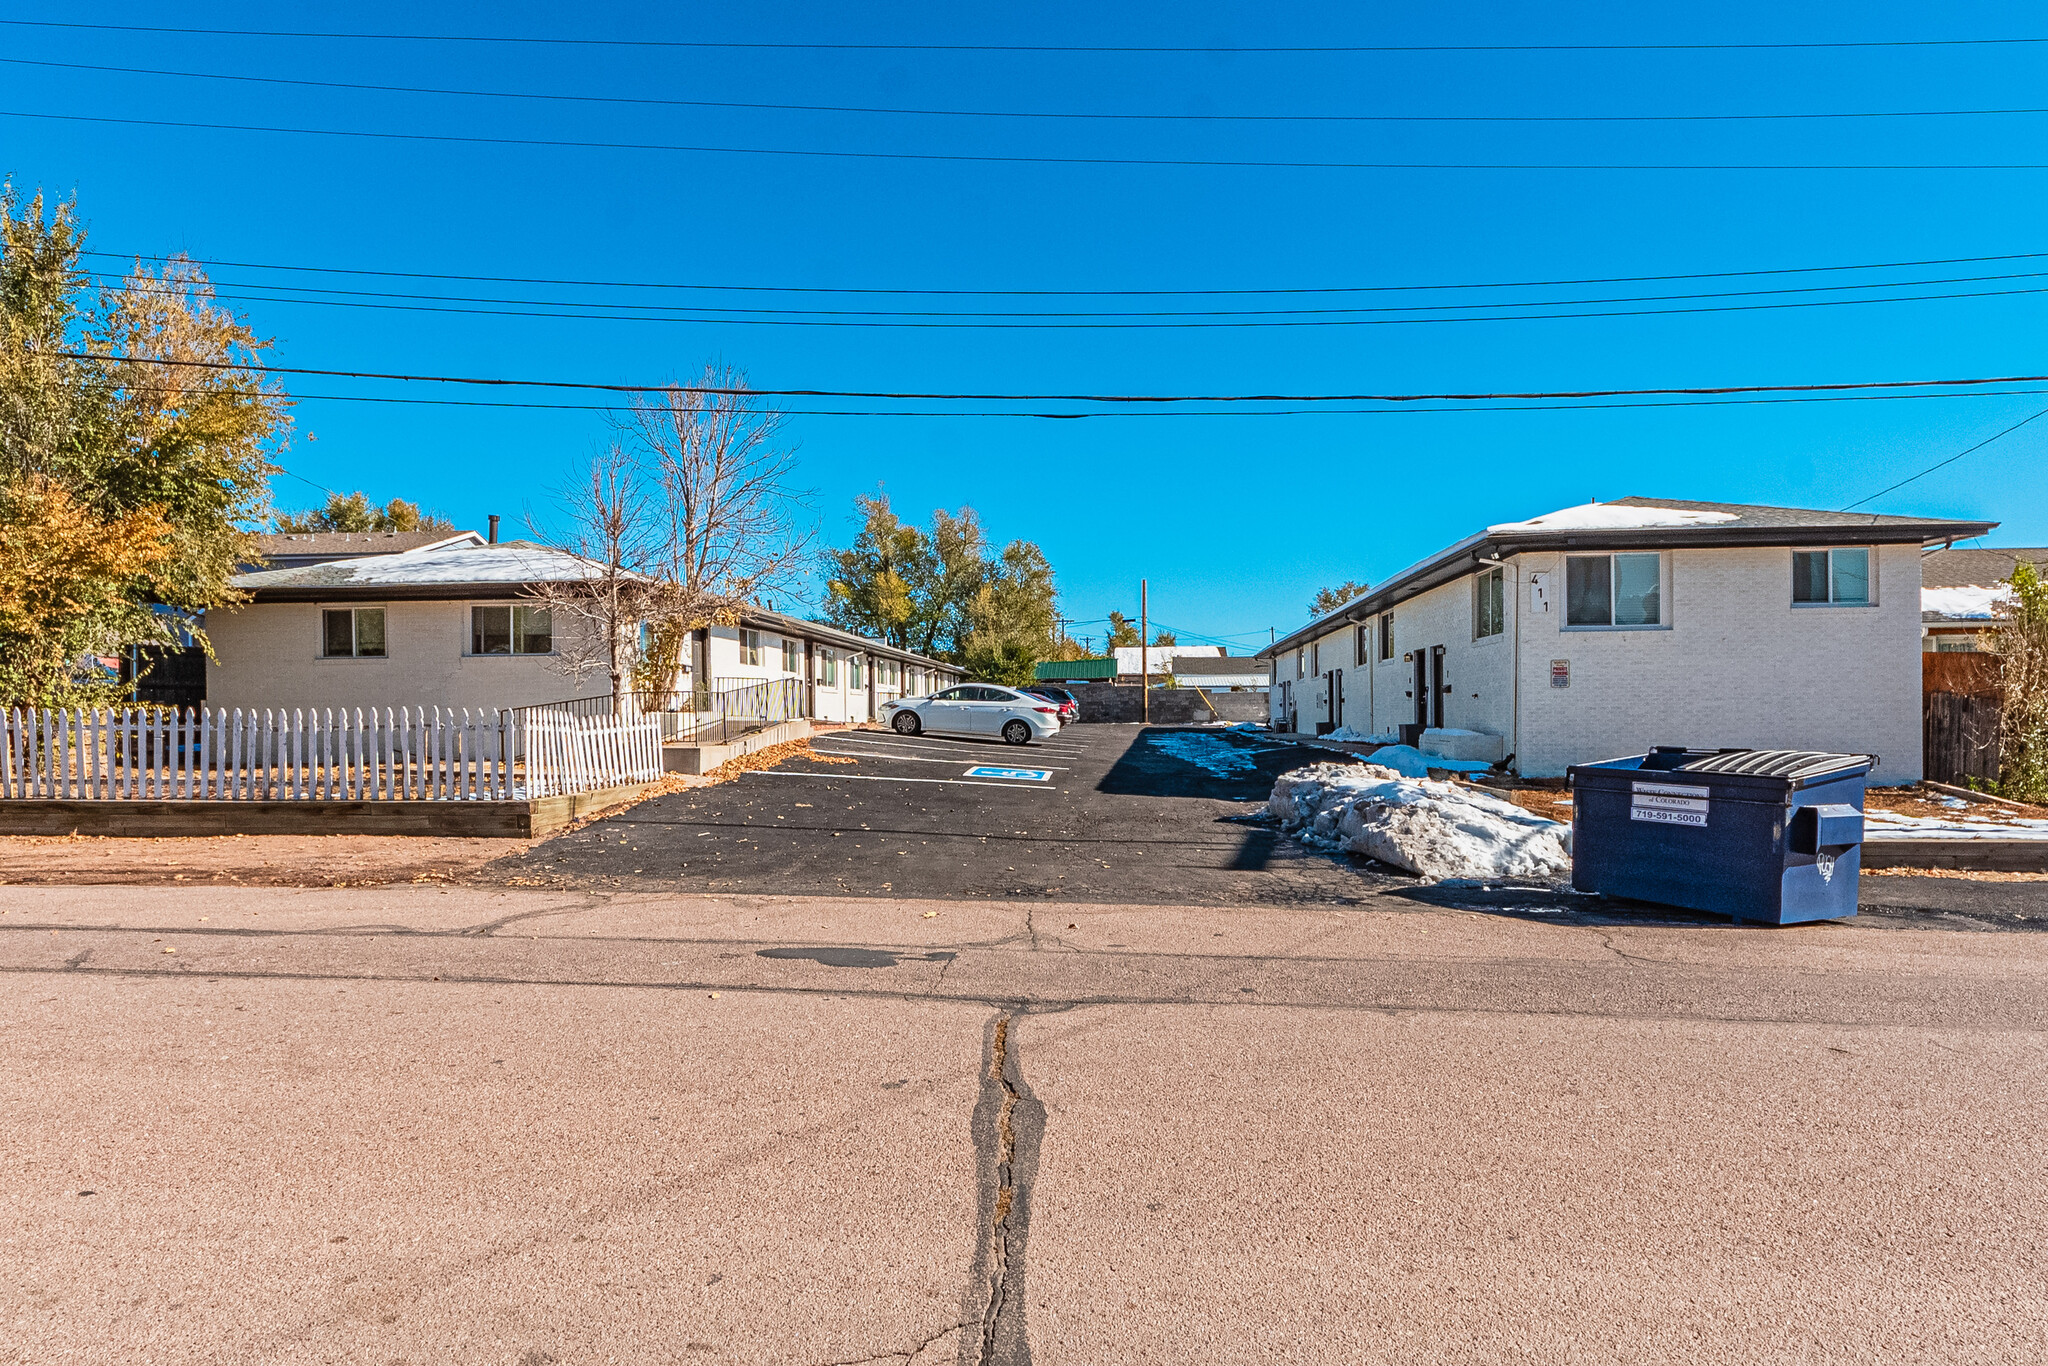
1070,710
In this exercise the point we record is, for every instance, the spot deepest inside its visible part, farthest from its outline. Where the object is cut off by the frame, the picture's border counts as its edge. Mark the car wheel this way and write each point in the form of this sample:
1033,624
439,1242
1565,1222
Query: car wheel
1016,732
906,723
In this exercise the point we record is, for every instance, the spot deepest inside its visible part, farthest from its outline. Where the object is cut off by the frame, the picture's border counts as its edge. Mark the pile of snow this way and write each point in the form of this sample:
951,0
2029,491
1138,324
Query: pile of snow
1614,517
1433,828
1976,825
1358,737
1968,603
1411,762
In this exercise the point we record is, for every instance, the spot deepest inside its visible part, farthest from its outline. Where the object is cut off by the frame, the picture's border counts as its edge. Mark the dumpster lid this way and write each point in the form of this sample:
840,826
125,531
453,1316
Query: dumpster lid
1796,765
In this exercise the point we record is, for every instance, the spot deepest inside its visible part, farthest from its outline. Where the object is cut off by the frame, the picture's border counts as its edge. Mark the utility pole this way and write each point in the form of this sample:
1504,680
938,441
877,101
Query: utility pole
1144,659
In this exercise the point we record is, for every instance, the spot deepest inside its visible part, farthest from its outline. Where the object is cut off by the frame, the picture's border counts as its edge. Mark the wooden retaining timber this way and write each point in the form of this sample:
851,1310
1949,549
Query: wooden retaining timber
525,818
1990,856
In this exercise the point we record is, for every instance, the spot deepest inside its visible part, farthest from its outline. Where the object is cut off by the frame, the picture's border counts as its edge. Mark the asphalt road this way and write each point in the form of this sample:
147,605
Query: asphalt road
433,1124
1118,814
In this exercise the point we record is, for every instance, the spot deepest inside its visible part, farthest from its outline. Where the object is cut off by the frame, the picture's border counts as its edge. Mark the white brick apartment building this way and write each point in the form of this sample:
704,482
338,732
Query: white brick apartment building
454,624
1602,630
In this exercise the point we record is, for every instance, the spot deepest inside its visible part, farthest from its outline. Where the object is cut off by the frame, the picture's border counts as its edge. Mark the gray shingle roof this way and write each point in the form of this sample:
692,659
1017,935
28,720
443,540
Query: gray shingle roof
1976,568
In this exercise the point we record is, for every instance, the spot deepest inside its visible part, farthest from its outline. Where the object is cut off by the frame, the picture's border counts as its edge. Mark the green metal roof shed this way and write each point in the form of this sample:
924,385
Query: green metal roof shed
1078,671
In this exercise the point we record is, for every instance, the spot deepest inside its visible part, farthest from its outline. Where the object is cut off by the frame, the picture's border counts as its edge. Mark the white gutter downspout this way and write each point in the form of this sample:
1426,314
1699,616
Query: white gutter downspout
1515,666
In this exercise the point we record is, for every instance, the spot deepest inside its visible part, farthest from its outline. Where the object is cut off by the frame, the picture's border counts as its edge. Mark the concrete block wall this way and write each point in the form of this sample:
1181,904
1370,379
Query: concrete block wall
1170,706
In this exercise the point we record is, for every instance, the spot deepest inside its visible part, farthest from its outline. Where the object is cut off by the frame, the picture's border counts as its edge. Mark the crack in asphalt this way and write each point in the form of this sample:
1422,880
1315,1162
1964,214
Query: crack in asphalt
1008,1124
911,1354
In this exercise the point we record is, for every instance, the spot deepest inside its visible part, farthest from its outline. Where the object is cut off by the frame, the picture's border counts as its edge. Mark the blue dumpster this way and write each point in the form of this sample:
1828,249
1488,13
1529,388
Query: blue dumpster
1758,834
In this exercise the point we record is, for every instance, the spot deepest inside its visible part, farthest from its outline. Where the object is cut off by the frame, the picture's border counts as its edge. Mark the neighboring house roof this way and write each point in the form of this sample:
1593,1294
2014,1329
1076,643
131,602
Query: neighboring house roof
1957,568
1637,523
1969,585
1159,658
1194,666
460,568
291,549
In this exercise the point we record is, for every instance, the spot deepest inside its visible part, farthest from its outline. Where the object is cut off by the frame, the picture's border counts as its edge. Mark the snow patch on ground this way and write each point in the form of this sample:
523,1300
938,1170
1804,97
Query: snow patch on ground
1411,762
1211,752
1895,825
1612,517
1433,828
1358,737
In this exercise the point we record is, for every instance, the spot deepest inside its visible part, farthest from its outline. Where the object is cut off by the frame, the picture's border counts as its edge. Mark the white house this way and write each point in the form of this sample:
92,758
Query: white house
454,624
1131,660
1601,630
1233,673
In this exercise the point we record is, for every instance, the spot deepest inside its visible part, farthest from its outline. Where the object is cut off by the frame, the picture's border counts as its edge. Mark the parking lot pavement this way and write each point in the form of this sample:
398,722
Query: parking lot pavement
1116,813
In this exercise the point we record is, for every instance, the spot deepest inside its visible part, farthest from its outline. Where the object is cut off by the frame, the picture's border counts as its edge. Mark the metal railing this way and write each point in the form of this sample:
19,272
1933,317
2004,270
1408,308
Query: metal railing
687,717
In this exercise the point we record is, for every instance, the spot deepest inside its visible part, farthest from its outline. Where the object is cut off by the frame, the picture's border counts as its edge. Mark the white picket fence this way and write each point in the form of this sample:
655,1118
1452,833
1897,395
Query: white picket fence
393,754
565,752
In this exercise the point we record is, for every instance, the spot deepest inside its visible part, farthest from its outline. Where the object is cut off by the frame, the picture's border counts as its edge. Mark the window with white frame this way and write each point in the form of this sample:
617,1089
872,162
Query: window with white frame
511,629
1386,636
1315,656
1624,589
352,633
1301,661
1361,643
828,668
1832,578
750,648
1489,604
856,672
792,656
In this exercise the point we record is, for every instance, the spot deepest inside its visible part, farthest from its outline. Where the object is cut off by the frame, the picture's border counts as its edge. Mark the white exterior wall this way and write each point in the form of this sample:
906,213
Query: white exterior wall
1739,665
269,656
1480,673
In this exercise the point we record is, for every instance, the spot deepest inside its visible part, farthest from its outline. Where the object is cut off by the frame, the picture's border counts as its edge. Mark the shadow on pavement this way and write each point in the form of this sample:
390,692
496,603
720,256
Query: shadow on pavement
1222,766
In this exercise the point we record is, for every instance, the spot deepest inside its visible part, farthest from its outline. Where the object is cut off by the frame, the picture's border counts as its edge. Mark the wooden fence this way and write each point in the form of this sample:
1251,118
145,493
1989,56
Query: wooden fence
1959,737
402,754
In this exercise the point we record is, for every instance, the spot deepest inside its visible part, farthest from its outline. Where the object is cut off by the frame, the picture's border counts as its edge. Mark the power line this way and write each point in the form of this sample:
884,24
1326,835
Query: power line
740,392
995,159
1219,319
1324,411
1096,293
1035,47
1040,114
1941,463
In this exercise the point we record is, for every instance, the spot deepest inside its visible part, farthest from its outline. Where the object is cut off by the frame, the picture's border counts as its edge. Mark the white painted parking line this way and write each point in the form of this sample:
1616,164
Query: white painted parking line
905,758
878,778
954,745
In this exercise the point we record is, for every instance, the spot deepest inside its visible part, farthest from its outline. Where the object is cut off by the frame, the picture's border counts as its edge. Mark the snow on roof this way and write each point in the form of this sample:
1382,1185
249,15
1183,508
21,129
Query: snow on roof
1613,517
1161,657
1970,603
509,563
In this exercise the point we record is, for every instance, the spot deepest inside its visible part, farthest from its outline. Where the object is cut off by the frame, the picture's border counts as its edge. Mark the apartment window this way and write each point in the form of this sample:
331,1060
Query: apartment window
750,648
1837,578
1614,590
792,656
828,668
352,633
856,672
1315,657
1489,604
511,630
1301,661
1386,636
1361,643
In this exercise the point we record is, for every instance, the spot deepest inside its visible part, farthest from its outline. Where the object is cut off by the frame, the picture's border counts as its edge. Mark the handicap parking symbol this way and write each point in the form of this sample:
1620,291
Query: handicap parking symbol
1022,775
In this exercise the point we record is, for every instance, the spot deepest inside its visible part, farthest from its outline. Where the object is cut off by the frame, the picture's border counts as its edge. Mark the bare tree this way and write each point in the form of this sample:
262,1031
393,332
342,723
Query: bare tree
687,517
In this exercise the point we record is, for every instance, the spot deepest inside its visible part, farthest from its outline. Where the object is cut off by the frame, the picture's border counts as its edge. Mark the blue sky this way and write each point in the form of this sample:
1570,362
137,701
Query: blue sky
1235,520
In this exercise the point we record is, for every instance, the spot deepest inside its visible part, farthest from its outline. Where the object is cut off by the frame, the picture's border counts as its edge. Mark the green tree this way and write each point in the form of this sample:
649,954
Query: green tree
1122,632
930,589
1161,639
355,512
160,439
1013,616
1328,600
2023,725
869,585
